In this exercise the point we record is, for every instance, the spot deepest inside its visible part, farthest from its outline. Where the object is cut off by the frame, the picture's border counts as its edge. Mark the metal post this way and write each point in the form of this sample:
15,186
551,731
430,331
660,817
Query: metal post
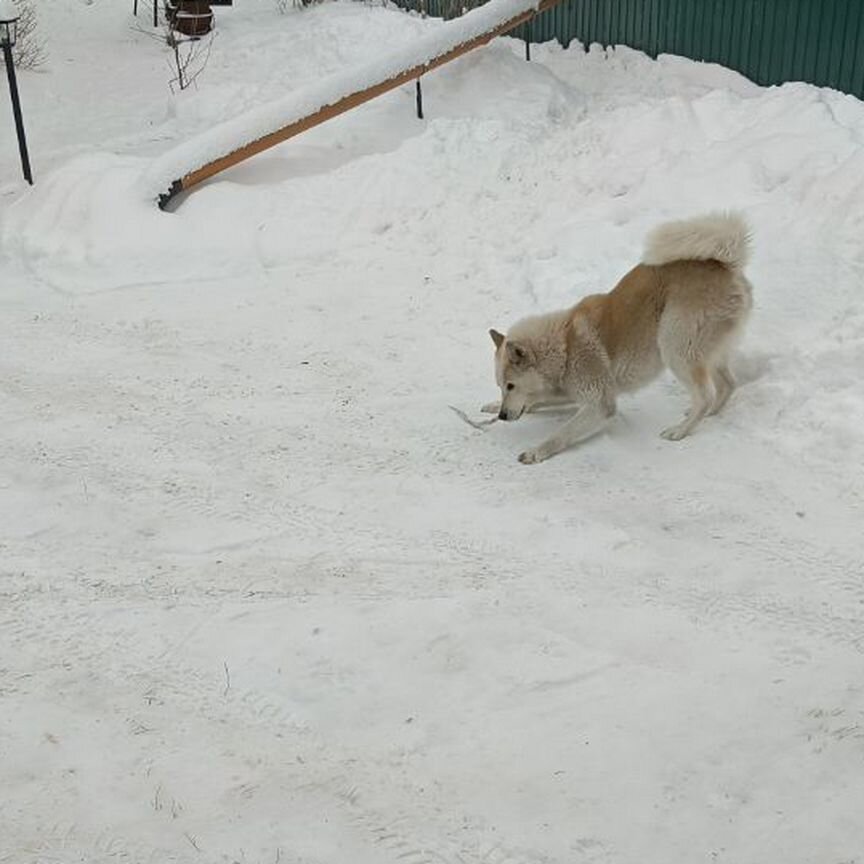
16,110
419,101
528,41
155,13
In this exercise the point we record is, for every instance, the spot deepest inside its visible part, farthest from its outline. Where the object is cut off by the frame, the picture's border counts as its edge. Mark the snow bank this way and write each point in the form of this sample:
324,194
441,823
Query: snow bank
258,122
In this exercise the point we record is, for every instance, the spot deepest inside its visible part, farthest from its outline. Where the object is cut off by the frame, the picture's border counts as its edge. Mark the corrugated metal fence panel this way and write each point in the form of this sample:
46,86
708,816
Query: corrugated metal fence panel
770,41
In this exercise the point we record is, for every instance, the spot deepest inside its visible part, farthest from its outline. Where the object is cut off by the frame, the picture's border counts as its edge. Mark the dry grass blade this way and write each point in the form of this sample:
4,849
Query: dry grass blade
477,424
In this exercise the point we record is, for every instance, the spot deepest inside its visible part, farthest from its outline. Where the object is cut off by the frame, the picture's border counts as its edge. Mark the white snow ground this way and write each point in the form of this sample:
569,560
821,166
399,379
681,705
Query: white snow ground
264,598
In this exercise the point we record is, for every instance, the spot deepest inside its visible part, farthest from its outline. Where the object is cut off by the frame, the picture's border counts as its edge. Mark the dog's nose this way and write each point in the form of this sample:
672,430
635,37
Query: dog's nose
502,414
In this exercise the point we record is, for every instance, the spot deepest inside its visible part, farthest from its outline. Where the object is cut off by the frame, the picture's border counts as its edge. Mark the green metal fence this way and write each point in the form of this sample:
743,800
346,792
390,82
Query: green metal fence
769,41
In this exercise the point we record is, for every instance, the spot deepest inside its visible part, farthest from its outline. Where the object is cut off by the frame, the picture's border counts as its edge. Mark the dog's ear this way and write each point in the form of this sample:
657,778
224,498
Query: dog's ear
516,353
497,338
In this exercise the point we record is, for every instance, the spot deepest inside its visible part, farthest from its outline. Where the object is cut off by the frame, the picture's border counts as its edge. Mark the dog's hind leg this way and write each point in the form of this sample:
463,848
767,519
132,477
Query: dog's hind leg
697,379
724,386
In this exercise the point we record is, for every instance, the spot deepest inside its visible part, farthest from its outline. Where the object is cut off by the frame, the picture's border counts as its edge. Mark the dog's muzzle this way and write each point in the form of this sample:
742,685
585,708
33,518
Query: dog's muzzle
504,415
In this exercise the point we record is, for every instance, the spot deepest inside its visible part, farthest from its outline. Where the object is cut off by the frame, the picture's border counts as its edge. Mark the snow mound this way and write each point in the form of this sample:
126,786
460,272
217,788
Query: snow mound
261,121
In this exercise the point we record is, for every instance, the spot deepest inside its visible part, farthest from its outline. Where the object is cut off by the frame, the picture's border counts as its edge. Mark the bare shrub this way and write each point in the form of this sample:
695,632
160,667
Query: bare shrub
29,49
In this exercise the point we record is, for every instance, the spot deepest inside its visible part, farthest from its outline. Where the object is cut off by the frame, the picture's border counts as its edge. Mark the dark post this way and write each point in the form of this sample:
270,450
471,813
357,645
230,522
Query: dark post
16,110
528,41
419,101
155,13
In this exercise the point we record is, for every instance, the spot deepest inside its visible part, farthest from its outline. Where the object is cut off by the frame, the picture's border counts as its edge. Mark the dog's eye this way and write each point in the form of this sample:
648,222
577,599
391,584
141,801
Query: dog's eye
510,386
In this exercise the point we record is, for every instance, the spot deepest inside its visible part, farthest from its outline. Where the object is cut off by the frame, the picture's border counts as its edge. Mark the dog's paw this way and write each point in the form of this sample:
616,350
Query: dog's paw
491,408
531,457
675,433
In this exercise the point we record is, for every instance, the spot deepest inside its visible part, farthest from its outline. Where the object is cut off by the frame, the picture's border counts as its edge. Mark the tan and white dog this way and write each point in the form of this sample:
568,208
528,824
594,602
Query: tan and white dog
682,308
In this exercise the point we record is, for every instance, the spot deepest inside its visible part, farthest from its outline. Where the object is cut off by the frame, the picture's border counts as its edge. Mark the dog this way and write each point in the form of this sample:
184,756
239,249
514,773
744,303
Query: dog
683,308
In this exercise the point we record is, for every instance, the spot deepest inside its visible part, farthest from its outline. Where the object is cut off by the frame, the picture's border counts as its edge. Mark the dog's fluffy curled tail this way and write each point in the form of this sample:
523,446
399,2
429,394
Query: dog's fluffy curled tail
722,237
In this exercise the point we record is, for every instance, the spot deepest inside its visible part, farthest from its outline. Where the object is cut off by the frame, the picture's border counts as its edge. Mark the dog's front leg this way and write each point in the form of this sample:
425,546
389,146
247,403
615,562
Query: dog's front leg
588,420
553,406
560,404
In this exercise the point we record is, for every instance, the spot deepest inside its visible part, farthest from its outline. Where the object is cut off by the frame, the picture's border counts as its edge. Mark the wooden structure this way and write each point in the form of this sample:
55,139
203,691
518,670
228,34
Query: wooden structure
200,8
189,17
346,103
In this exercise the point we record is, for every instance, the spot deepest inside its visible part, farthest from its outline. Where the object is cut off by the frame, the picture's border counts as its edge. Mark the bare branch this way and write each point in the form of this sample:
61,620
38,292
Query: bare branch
28,51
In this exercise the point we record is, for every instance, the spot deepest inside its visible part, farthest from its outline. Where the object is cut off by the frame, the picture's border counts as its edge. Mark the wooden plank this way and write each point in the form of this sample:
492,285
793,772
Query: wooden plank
347,103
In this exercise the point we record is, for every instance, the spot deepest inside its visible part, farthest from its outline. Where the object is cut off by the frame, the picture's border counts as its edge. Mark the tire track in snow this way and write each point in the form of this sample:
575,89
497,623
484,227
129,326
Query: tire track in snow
837,617
254,710
407,846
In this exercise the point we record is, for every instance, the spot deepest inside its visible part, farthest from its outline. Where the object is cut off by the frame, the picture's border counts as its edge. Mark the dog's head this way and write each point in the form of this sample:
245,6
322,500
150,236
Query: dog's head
521,383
